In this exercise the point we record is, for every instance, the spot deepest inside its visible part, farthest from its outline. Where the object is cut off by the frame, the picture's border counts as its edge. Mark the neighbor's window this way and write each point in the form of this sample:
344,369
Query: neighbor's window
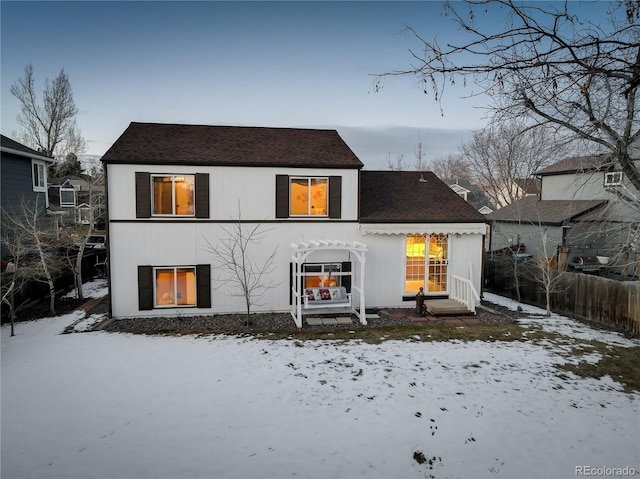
39,175
173,195
175,287
67,197
308,196
613,178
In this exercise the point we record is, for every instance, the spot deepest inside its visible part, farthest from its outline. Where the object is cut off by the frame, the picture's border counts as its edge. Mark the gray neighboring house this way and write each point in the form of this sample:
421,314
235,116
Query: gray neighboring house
578,205
24,178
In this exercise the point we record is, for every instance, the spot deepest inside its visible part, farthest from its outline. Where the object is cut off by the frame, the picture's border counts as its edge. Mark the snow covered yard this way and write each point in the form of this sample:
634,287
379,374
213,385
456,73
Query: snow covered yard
99,405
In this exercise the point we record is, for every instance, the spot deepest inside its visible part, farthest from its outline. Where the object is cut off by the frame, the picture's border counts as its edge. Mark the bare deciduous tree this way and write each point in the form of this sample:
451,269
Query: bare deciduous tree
549,63
502,156
234,257
49,127
395,164
44,264
452,166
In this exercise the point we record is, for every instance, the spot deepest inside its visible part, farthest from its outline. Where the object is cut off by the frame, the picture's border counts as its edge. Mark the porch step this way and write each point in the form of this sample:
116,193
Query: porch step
446,307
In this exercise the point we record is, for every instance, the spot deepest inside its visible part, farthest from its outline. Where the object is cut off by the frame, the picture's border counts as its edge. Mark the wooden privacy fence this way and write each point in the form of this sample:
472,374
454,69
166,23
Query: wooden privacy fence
612,303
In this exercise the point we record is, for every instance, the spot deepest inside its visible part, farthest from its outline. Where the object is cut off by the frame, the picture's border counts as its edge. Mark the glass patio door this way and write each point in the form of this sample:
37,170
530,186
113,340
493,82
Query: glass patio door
427,264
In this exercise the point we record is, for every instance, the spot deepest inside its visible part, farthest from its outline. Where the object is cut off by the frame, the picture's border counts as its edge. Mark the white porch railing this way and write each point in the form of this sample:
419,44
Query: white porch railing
462,289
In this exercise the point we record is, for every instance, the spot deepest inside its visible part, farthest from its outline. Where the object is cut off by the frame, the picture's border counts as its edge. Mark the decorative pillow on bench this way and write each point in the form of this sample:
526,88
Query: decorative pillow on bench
310,295
324,294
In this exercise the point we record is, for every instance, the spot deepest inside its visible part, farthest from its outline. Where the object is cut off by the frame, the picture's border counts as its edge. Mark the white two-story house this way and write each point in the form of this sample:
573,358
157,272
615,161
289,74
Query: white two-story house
372,237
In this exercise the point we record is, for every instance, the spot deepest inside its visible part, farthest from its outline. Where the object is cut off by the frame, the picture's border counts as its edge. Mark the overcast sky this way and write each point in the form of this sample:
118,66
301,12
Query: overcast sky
278,64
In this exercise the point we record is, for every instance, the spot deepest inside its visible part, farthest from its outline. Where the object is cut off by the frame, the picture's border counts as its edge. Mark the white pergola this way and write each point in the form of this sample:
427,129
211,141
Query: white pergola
302,250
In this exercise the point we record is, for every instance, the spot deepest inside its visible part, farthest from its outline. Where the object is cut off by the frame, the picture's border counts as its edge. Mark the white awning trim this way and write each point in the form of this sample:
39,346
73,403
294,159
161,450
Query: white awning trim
423,228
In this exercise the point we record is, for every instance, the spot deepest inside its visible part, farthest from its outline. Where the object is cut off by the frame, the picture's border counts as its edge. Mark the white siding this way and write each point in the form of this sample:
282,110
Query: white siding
253,190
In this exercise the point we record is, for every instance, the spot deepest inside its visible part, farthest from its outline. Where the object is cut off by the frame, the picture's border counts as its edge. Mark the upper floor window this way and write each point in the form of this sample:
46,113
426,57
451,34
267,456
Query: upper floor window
613,178
308,196
39,175
173,195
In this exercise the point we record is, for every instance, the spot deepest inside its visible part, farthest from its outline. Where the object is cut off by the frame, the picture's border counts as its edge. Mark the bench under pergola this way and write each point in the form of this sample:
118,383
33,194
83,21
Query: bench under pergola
342,300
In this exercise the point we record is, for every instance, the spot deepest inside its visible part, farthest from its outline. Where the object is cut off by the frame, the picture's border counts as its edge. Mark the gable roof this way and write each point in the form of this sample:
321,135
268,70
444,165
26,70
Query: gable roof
574,164
551,212
12,146
155,143
411,197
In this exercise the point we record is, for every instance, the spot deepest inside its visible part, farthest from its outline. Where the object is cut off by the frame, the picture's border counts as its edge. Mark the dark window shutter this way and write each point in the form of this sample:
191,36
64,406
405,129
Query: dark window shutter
143,195
346,280
282,196
335,196
145,288
203,279
202,195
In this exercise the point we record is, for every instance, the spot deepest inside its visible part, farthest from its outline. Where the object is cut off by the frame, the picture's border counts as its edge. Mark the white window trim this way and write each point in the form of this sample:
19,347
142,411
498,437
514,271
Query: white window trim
175,287
309,178
173,192
38,188
613,174
67,204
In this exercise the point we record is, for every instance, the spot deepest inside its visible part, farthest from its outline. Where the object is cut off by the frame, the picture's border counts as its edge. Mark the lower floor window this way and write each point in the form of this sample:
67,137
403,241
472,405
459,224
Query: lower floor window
175,286
322,275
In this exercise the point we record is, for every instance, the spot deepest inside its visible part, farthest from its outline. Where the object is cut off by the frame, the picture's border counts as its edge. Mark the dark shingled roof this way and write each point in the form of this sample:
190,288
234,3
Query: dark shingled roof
411,197
551,212
7,142
577,163
153,143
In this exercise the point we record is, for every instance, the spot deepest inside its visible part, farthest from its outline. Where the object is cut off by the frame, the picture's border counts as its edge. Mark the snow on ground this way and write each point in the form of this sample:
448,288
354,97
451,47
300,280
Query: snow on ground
103,405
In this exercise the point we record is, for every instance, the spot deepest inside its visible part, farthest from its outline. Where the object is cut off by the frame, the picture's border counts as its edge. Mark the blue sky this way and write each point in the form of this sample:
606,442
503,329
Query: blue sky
281,64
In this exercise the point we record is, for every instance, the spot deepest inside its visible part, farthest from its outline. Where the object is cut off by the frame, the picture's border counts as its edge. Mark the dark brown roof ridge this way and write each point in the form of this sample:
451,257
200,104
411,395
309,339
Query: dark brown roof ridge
185,144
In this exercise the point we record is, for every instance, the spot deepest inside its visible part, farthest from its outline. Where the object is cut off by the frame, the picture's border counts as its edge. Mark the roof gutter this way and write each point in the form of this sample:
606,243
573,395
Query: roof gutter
28,155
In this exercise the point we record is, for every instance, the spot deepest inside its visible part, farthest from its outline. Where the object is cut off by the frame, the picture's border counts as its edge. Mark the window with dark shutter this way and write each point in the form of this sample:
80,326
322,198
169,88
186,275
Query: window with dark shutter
202,195
335,196
203,279
145,288
346,279
143,195
282,196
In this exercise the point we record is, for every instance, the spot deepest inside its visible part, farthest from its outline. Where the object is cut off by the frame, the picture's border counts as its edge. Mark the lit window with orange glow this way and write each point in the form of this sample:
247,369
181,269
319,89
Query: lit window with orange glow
308,196
175,287
173,195
415,263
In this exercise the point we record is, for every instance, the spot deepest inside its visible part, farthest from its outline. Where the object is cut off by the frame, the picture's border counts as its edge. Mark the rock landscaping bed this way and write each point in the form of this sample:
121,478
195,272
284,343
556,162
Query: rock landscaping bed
283,322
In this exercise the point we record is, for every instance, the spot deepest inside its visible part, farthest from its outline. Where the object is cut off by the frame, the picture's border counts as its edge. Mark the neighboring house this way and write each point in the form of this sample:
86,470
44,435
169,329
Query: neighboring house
77,200
23,179
517,188
577,206
373,238
471,193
